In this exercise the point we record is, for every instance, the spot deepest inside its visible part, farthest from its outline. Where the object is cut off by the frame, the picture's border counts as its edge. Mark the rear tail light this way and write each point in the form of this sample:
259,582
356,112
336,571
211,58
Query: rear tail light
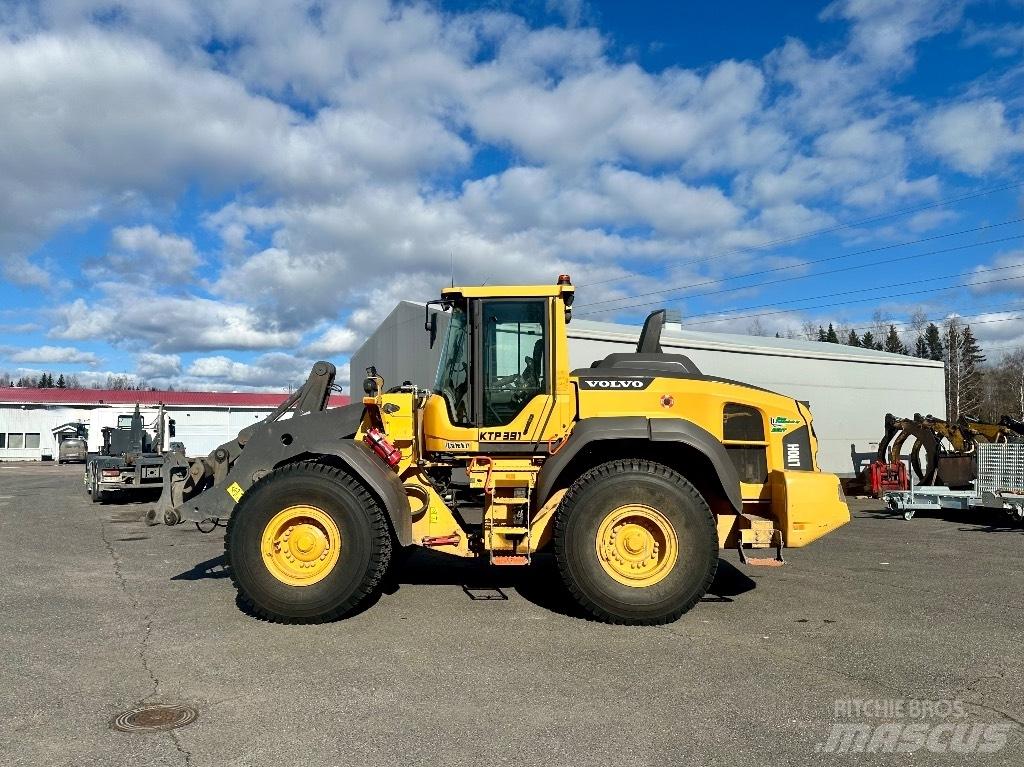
390,454
111,472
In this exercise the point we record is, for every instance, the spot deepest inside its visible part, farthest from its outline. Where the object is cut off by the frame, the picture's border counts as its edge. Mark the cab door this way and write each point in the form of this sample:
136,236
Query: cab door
513,388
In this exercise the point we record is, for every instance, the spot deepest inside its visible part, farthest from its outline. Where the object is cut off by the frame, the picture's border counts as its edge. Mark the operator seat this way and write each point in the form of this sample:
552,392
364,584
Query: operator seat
534,372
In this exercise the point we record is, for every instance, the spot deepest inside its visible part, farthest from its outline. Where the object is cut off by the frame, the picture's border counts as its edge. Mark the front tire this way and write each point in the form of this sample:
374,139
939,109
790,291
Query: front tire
635,543
306,544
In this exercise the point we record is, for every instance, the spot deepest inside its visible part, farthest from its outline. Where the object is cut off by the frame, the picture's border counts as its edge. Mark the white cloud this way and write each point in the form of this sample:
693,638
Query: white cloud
1004,40
972,136
337,339
143,250
885,32
128,315
157,366
1005,274
55,354
269,370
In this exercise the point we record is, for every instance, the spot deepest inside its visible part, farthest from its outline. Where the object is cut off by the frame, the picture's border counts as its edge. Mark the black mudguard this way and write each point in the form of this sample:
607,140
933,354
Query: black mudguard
659,430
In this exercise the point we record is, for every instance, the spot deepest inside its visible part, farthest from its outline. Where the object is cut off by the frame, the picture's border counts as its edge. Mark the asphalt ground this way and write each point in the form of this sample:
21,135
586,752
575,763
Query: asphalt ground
463,665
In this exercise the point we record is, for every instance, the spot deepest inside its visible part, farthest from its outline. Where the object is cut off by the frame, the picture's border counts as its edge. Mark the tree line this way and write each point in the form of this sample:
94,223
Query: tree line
973,389
71,381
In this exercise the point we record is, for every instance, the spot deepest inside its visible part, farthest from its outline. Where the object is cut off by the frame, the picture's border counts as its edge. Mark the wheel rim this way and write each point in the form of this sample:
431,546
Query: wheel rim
637,545
301,545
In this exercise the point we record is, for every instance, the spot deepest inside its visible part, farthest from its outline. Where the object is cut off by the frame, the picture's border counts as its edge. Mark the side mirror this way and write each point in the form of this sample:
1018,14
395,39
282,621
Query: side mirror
170,427
431,327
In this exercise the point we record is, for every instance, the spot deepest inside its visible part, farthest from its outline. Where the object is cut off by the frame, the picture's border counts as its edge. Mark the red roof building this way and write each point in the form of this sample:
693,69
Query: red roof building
94,397
33,421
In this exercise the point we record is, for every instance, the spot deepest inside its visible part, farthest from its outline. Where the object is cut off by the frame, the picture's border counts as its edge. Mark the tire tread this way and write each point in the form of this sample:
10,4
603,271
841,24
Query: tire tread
381,547
598,474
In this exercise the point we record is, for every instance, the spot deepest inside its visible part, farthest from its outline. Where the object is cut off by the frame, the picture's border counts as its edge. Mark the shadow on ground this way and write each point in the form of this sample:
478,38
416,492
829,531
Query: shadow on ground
539,583
211,569
979,520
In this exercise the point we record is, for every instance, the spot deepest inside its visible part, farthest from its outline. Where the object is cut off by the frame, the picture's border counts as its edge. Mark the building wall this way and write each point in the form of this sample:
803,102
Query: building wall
849,390
201,429
400,349
33,421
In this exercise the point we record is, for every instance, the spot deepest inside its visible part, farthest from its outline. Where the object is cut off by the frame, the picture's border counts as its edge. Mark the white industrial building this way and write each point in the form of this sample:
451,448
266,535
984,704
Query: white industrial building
33,421
849,389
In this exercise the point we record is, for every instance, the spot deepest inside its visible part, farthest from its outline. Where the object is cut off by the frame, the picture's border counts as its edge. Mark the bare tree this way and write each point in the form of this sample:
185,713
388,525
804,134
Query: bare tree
880,322
756,328
918,321
963,380
810,330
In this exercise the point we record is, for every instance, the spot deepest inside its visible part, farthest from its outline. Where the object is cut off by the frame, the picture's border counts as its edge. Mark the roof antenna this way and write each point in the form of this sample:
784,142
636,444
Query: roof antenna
451,255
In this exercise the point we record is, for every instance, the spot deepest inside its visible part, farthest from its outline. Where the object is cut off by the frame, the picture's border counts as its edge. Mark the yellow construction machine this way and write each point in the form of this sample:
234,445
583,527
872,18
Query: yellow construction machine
634,472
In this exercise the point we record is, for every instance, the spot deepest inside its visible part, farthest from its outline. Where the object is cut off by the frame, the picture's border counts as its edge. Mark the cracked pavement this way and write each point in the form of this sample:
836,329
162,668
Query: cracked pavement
101,614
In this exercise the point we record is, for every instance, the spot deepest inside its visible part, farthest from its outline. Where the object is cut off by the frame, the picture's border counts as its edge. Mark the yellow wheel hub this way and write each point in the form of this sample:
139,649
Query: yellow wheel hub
637,545
301,545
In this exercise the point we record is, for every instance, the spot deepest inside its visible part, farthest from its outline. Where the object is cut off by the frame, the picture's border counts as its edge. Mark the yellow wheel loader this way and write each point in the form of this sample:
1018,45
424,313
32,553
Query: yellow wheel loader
634,472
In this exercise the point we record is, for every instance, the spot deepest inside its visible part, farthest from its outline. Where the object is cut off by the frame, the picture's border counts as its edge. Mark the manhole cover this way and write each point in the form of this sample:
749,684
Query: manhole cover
154,718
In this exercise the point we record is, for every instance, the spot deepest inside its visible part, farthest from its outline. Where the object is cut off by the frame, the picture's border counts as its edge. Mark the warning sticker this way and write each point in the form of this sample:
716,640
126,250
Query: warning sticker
235,491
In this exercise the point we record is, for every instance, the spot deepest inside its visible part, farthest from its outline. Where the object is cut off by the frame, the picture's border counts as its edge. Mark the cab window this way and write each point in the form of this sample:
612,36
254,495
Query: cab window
514,337
453,369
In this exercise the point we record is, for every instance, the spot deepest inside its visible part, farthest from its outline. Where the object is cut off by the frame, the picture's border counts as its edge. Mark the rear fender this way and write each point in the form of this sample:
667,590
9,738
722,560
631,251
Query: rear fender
655,430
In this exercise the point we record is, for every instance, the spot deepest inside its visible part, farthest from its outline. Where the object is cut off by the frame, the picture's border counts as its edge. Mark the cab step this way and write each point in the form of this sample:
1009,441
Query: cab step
510,560
510,529
759,532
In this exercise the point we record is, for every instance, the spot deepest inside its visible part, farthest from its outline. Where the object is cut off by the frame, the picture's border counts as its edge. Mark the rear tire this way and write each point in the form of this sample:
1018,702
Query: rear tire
344,508
618,502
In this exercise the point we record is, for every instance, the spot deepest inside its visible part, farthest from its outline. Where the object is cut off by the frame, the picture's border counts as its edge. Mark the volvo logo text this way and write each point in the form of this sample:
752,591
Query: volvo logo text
616,383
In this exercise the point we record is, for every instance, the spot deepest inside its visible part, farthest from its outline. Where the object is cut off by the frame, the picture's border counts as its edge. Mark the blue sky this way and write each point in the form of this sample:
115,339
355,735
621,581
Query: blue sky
208,196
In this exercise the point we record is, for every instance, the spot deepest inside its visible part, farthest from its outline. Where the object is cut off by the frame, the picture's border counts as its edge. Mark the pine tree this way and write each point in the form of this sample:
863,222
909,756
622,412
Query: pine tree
853,339
920,347
821,334
893,344
831,336
933,340
868,341
60,382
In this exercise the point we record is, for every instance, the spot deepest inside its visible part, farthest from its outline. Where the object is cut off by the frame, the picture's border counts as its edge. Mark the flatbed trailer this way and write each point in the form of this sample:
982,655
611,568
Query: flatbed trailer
999,486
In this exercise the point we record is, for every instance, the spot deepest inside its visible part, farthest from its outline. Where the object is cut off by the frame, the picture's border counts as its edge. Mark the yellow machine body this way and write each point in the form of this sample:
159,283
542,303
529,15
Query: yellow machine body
762,439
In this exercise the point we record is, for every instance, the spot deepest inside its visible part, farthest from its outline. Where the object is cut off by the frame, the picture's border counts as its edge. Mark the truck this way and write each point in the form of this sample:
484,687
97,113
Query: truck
131,457
634,472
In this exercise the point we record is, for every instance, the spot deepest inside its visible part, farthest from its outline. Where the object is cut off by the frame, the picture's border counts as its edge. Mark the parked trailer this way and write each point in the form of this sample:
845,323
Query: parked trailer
999,486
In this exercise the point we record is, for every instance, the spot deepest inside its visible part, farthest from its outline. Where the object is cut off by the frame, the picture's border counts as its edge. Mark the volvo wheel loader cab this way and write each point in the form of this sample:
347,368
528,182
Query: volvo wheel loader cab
634,471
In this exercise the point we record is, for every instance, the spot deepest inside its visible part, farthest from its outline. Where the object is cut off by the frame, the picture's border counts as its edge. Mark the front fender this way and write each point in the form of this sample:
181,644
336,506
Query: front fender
316,435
